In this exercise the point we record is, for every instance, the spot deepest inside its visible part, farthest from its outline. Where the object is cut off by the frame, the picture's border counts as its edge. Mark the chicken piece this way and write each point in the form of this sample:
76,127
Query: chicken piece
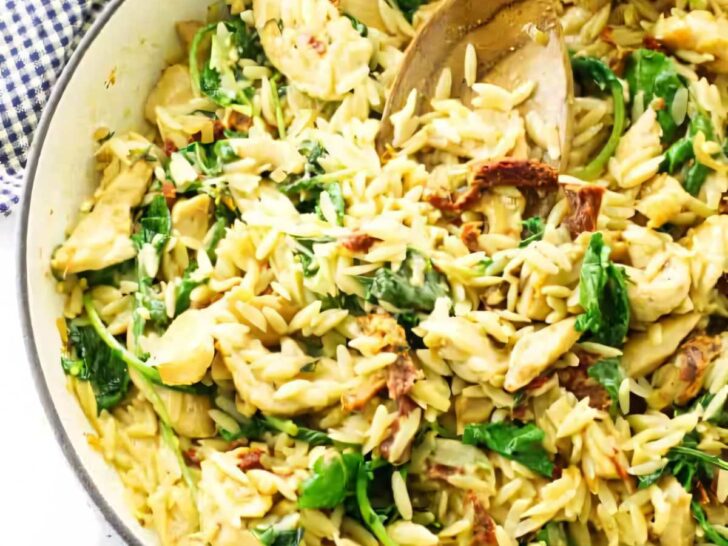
699,31
584,204
680,380
188,413
644,353
521,173
185,351
533,352
174,87
101,238
318,51
191,219
651,298
680,528
709,241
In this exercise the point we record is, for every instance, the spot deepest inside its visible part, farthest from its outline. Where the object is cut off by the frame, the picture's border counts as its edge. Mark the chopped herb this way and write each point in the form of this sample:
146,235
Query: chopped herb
521,443
711,533
533,229
603,296
184,289
651,75
209,158
593,72
609,375
108,276
333,190
224,218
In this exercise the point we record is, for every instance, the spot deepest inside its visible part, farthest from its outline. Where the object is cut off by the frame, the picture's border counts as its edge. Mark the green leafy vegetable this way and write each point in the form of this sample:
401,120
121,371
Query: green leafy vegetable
305,254
409,7
272,537
224,217
97,363
245,43
184,289
593,72
650,75
408,321
313,437
609,375
710,532
155,225
603,296
533,229
333,190
398,288
681,152
554,534
209,158
332,480
521,443
108,276
360,27
349,302
370,517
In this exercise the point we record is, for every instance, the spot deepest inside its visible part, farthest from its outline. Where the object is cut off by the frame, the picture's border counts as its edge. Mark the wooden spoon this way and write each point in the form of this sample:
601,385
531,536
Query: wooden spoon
515,41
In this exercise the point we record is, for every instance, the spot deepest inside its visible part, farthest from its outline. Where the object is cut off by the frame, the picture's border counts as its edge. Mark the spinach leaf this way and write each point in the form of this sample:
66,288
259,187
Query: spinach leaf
337,199
209,158
682,152
360,27
652,74
155,225
408,321
533,229
695,178
184,289
371,517
710,532
603,296
304,253
313,437
554,534
687,463
409,7
397,288
108,276
349,302
609,375
521,443
593,72
272,537
96,362
721,417
224,218
332,480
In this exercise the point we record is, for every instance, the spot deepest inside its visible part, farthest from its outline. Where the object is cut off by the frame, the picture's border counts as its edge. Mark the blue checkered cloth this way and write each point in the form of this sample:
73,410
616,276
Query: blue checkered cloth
36,39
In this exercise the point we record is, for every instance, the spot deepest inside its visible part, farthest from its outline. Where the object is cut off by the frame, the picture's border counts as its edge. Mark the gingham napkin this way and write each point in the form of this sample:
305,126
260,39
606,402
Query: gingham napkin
36,39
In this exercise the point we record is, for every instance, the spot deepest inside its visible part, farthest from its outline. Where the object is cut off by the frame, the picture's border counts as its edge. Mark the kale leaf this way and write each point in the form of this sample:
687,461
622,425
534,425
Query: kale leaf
592,72
603,296
652,74
94,361
533,229
397,288
521,443
609,375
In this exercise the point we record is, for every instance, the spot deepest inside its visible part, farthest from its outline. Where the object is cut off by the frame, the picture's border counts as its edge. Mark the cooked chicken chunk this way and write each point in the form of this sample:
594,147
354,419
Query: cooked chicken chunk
534,352
101,238
191,219
643,352
651,298
173,88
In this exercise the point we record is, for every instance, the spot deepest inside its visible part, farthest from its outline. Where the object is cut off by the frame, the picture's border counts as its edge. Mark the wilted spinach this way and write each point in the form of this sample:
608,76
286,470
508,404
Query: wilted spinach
603,296
533,229
609,375
652,74
521,443
273,537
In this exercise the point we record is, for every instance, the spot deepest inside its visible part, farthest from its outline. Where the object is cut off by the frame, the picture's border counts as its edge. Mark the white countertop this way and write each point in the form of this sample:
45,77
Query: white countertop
47,504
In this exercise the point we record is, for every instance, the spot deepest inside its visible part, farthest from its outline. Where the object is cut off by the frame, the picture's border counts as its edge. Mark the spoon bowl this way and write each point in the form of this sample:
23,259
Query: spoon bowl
515,41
